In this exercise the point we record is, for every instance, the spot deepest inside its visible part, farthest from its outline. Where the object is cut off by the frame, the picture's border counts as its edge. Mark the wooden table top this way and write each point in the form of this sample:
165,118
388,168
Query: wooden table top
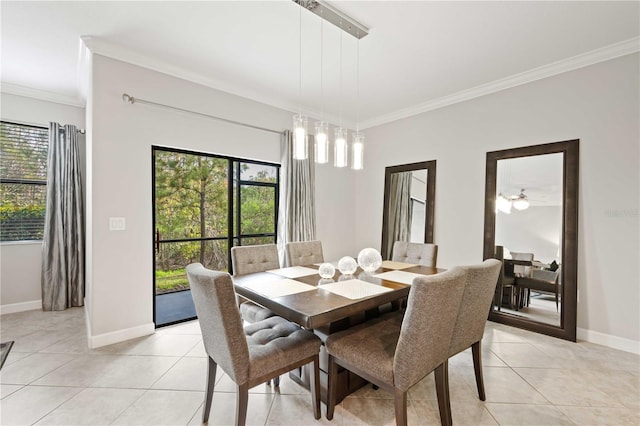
316,308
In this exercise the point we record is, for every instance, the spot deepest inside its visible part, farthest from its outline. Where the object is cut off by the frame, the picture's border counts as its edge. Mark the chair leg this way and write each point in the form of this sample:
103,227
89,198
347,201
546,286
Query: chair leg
442,390
476,350
241,404
400,405
331,386
276,382
315,387
208,394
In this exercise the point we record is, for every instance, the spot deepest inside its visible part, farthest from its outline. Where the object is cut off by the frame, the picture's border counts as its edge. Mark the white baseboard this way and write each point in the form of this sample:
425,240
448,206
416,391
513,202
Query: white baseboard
12,308
121,335
608,340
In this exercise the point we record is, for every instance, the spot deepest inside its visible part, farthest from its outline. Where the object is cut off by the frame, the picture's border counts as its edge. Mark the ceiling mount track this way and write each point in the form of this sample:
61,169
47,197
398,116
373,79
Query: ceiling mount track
334,16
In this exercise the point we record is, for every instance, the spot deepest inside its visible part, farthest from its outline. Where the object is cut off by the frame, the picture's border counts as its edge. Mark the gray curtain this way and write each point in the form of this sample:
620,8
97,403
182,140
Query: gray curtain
399,210
63,248
297,210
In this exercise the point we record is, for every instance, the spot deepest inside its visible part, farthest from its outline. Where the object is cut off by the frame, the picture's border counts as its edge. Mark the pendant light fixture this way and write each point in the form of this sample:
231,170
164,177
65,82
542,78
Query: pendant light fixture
341,156
300,147
357,149
322,137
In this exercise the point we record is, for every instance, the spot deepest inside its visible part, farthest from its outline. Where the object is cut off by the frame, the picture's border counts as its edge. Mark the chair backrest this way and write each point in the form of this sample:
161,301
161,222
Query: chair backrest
432,308
220,322
476,302
250,259
520,270
421,254
304,253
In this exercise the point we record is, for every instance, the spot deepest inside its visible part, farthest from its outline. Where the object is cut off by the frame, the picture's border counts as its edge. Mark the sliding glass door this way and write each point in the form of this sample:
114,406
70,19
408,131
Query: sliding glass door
203,205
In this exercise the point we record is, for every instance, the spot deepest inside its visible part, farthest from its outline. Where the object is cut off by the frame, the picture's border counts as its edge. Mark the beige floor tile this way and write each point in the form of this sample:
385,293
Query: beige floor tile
500,333
472,413
31,403
374,412
466,358
6,390
223,410
459,386
523,414
526,355
83,371
189,327
503,385
603,416
71,345
92,406
567,387
33,367
287,386
187,374
295,410
39,340
159,407
135,371
198,351
157,344
620,385
15,356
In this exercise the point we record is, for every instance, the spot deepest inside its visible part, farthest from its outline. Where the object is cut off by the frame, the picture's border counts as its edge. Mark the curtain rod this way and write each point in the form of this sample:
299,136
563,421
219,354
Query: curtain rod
130,99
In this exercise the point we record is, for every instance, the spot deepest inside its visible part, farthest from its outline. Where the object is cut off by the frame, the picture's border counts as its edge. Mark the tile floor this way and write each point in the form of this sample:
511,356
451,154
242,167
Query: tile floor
52,378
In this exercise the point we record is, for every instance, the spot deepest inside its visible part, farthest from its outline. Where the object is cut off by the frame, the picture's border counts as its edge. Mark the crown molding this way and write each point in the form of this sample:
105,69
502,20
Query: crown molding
603,54
43,95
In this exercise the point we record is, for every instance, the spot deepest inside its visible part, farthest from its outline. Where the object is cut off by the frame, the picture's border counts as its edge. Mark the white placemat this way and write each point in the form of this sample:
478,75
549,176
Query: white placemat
294,271
390,264
279,288
334,263
354,289
398,276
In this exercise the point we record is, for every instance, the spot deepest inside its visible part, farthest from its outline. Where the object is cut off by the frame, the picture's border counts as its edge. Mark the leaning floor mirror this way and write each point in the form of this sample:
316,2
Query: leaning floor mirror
531,224
409,203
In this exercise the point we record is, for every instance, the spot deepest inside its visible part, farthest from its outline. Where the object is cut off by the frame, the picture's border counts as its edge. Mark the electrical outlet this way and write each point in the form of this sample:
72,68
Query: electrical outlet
117,224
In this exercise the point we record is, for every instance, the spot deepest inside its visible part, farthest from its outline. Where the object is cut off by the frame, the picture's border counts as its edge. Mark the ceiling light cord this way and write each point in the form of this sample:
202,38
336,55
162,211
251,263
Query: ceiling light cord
340,64
300,60
321,65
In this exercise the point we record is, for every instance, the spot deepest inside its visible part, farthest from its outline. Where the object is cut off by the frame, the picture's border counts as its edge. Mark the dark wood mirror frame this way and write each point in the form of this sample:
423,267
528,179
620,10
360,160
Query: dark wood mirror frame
568,314
430,166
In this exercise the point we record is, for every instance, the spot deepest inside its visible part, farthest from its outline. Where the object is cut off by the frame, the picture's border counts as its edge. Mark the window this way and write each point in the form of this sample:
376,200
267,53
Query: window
23,179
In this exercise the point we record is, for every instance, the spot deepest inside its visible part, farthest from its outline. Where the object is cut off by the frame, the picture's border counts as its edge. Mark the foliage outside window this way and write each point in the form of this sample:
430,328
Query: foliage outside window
204,205
23,178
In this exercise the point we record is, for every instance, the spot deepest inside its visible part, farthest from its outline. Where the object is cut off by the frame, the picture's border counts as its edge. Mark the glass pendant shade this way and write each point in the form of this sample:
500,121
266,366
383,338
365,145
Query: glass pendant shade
322,143
341,156
300,149
357,151
521,204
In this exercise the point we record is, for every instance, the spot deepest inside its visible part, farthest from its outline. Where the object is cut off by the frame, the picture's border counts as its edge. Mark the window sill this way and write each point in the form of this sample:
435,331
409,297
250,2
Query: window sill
20,243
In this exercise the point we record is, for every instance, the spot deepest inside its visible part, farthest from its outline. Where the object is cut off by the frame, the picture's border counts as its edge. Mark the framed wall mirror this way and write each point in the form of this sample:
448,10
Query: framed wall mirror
409,202
531,224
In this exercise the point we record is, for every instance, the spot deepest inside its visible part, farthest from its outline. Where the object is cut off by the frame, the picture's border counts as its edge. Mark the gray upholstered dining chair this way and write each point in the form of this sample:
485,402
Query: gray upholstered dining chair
420,254
250,259
304,253
395,352
469,326
250,355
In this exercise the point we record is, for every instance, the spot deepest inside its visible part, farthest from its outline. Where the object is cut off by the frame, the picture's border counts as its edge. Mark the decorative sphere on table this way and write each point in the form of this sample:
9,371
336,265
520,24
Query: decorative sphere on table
347,265
369,259
326,270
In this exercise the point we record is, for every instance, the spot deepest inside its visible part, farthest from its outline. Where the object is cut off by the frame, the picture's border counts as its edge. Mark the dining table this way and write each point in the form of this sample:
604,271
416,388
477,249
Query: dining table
329,305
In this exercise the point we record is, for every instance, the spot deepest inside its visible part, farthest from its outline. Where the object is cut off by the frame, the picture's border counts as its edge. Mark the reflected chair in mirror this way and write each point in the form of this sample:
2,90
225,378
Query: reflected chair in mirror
250,355
417,253
541,281
250,259
304,253
506,282
395,352
474,311
522,270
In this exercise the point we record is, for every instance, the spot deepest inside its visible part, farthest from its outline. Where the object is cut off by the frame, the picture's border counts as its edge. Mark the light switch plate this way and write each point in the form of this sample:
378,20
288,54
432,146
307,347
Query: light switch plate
117,224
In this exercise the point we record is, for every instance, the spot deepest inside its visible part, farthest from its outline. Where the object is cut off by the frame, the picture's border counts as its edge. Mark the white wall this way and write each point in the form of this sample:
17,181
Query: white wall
120,264
534,230
20,263
599,105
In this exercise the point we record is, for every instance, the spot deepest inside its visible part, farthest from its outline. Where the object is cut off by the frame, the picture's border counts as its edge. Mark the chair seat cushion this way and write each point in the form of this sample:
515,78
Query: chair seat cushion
275,342
371,345
253,313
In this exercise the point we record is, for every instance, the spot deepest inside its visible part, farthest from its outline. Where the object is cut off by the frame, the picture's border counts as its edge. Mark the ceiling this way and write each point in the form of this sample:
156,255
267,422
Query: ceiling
418,56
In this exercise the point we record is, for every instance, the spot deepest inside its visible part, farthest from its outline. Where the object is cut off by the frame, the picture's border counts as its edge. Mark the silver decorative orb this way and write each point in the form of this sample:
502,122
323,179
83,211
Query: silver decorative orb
326,270
369,259
347,265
